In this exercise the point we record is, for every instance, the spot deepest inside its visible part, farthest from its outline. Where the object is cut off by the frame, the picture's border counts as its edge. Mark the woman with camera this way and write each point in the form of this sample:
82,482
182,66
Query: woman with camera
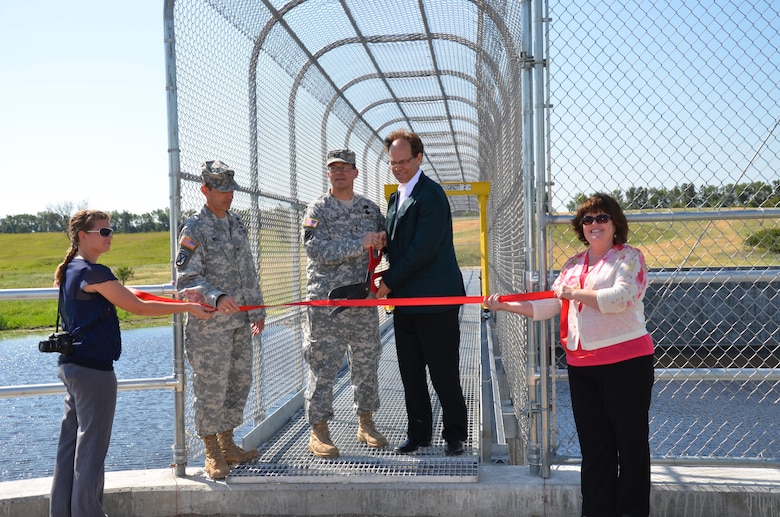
89,295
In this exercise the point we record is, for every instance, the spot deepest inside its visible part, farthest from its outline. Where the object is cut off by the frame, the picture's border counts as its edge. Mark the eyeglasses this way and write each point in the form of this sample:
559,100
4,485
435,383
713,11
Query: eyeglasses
340,168
104,232
601,219
402,163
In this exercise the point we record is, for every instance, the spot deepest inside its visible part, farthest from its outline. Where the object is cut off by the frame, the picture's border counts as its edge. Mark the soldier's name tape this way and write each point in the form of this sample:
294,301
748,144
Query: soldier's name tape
375,302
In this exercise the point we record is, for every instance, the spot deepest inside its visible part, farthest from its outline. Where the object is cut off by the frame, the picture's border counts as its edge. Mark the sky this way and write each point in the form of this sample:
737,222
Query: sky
82,106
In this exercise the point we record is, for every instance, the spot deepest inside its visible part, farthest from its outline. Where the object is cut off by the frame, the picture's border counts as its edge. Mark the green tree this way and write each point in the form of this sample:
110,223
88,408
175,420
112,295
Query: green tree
577,201
124,273
636,198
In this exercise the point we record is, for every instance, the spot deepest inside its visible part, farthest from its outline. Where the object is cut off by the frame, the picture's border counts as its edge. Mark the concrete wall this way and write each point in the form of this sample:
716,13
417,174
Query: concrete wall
501,490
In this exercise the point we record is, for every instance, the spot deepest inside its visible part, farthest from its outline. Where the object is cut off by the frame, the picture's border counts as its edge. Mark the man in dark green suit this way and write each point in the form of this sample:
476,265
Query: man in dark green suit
422,263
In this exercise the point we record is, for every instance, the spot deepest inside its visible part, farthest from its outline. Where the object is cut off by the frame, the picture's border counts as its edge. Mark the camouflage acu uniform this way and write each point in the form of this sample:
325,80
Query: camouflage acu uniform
214,259
332,237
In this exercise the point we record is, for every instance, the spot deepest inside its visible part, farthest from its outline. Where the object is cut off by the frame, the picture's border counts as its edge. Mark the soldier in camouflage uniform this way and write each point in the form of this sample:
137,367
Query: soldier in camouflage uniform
338,230
215,266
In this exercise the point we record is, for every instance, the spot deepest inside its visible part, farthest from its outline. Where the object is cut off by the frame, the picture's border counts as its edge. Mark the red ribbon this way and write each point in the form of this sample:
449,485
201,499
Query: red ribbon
564,323
579,352
373,302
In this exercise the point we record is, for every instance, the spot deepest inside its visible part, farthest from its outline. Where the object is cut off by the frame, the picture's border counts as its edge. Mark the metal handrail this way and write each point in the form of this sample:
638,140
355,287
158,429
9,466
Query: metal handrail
50,293
670,216
34,390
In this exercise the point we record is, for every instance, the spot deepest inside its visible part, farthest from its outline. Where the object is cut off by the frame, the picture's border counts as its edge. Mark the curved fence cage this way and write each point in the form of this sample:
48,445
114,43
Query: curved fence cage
673,109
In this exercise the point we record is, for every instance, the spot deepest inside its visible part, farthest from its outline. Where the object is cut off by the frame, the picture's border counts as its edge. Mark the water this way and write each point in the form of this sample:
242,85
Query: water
709,418
143,426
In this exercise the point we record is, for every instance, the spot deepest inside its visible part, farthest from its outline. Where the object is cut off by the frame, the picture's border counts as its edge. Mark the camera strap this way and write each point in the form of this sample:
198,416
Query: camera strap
59,304
76,335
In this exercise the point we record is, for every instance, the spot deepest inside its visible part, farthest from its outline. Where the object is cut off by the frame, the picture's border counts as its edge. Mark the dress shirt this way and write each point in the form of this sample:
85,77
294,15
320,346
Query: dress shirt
405,189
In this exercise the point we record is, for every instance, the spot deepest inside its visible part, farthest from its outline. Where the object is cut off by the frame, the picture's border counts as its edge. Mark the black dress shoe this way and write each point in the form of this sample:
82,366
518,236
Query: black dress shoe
453,448
410,445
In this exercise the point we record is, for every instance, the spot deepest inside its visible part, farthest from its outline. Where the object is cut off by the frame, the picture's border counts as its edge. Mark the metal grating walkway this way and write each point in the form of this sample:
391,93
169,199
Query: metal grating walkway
286,457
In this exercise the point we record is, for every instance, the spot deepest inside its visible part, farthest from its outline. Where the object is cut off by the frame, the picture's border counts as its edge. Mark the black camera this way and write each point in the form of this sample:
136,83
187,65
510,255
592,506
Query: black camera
59,342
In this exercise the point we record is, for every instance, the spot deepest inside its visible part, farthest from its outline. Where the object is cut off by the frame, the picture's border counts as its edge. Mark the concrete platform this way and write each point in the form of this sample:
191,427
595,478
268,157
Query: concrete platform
500,490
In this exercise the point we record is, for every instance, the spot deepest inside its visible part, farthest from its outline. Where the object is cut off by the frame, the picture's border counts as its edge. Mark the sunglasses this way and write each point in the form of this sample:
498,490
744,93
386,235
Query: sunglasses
601,219
104,232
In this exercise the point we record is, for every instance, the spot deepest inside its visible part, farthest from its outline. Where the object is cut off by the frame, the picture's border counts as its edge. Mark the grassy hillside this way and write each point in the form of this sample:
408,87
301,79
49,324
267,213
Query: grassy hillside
465,234
29,260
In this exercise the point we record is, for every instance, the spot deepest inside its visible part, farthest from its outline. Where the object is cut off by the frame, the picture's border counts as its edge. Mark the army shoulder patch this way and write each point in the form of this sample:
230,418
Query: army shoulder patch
186,247
187,242
310,222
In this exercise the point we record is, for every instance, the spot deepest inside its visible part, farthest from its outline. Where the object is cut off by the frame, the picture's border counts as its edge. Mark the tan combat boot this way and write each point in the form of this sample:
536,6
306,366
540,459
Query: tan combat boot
368,434
216,468
232,453
319,442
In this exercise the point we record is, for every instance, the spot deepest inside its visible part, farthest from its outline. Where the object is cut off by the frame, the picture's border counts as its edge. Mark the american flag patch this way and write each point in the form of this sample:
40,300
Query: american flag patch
188,243
310,223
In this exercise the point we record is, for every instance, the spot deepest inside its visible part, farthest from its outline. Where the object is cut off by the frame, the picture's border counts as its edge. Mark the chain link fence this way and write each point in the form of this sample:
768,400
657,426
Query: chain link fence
247,94
672,108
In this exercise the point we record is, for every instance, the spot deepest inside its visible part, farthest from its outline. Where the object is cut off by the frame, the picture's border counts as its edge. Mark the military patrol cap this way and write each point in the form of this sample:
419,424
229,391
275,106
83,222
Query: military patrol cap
341,155
218,175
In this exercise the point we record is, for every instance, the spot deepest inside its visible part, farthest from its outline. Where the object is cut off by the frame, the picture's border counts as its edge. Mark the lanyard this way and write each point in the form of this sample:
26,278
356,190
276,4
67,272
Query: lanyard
578,352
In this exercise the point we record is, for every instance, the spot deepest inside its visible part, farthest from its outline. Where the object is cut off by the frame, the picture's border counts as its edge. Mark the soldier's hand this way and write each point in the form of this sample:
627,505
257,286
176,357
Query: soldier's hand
373,240
258,326
227,305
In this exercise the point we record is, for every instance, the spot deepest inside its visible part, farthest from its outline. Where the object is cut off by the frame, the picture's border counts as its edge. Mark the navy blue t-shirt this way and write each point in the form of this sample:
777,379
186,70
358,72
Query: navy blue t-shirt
101,344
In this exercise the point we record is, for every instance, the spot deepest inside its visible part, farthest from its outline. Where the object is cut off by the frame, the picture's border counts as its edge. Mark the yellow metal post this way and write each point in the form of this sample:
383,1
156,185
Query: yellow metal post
483,240
481,189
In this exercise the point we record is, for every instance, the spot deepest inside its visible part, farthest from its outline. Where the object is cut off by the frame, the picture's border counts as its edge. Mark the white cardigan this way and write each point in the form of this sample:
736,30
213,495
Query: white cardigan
621,279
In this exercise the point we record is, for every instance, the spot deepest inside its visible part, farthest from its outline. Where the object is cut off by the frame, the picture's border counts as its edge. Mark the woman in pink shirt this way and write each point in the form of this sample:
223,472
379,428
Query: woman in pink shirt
609,353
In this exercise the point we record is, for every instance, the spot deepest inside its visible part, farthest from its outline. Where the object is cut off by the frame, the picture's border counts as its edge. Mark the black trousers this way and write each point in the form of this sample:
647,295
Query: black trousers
432,341
611,405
